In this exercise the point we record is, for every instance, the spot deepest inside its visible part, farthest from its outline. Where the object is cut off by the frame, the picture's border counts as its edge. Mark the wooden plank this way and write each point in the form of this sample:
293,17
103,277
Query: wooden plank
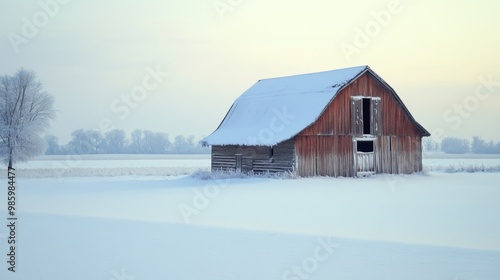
376,116
356,116
254,158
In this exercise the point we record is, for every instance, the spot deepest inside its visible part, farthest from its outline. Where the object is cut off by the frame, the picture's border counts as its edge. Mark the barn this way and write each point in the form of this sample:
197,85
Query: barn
346,122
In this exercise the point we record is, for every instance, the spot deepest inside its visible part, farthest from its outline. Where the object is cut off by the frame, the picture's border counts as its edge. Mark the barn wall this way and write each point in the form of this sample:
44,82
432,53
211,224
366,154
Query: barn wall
399,154
255,158
325,148
326,155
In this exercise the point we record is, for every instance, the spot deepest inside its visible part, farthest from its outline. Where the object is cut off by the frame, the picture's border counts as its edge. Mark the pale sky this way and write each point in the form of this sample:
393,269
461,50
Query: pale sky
97,57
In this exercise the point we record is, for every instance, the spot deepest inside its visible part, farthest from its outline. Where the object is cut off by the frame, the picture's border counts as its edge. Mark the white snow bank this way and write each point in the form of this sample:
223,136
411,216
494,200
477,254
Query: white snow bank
471,163
175,165
111,165
105,172
457,210
62,247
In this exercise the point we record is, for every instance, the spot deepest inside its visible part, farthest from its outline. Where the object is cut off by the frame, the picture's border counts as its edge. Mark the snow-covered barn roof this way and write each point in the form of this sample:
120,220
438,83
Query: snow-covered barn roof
274,110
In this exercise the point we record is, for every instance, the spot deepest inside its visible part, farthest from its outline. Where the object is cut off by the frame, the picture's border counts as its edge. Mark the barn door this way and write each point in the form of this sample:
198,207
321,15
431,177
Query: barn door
364,156
376,116
357,115
366,116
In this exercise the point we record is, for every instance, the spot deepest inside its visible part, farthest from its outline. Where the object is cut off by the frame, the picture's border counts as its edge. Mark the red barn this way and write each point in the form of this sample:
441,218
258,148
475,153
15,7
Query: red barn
345,122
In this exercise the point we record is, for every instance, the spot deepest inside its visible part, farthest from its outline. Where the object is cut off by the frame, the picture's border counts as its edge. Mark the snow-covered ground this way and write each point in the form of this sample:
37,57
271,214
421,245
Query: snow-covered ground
461,162
424,226
117,161
112,165
173,165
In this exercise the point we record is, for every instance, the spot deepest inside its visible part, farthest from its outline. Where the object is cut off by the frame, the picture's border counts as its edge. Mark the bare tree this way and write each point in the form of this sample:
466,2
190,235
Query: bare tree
154,142
86,142
135,146
429,144
53,147
454,145
115,141
25,113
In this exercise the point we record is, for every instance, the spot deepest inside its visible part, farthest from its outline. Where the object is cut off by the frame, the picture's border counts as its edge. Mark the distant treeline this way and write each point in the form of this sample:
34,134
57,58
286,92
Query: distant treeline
454,145
116,142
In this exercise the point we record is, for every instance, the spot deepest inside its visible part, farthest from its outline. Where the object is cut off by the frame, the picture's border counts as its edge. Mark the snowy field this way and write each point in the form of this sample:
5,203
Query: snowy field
461,162
167,225
173,165
113,165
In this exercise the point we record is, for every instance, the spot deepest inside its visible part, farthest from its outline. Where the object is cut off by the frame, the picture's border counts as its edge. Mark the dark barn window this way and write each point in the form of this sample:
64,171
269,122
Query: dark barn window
366,115
365,146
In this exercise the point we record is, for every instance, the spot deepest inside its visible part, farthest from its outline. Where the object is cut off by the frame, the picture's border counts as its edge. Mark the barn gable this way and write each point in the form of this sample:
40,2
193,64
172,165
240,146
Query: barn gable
329,146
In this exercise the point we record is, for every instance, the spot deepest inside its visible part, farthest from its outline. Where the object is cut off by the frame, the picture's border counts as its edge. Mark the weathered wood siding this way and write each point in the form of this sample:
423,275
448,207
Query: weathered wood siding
326,147
325,155
255,158
399,154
